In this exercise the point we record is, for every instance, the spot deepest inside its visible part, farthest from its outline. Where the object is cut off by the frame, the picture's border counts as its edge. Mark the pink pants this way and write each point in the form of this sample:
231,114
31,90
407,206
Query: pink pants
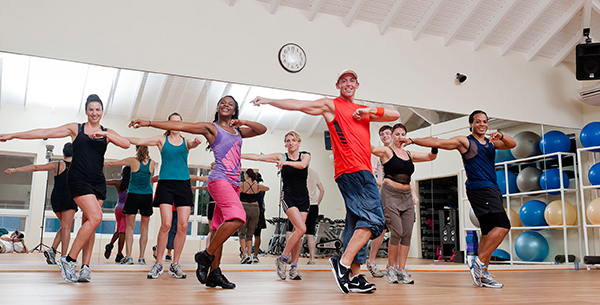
121,221
227,203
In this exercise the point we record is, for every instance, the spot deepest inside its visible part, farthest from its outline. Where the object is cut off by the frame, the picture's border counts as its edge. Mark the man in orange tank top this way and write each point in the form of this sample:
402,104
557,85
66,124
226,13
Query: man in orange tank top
348,124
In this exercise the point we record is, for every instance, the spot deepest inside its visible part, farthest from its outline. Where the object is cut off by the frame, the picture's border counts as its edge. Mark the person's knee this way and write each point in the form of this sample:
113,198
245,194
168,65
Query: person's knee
181,227
165,227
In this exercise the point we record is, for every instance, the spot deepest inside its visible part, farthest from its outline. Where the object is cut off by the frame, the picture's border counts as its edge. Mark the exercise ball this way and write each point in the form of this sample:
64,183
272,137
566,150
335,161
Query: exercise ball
554,213
590,135
594,174
501,255
527,145
473,218
502,183
554,141
529,179
514,218
531,247
503,155
550,180
532,214
593,211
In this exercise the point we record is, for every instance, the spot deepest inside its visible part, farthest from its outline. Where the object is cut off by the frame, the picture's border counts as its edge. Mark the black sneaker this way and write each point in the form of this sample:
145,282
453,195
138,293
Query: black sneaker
216,278
154,249
204,261
107,249
340,273
119,258
360,284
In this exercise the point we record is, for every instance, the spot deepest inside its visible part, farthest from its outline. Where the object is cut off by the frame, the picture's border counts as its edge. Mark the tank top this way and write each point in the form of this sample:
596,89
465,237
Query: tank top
140,180
294,180
122,198
174,161
350,139
479,164
88,158
249,197
227,148
398,169
60,192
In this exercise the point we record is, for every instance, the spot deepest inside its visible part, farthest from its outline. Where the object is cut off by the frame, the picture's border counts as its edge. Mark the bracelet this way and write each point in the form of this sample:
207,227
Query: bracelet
502,137
380,111
149,123
411,141
434,150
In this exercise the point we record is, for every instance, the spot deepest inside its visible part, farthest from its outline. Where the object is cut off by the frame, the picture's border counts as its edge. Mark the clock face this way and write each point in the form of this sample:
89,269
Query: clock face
292,58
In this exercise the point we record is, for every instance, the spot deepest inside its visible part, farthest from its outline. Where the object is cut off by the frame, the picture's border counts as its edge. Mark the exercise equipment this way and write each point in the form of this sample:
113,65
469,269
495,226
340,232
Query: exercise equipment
503,155
550,180
532,247
515,221
502,183
591,260
594,174
554,141
473,218
527,145
500,255
553,214
593,211
590,135
560,258
532,214
529,179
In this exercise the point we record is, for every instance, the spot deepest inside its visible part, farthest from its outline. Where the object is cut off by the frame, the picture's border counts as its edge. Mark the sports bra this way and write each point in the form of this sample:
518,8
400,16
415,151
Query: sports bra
399,170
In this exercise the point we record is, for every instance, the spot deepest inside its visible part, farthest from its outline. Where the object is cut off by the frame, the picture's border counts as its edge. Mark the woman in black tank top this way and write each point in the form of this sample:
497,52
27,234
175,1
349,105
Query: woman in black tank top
249,190
85,177
295,200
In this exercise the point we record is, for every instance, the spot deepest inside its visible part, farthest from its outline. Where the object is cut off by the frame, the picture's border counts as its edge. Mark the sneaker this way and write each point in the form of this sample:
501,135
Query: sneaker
360,284
391,274
127,261
67,269
255,259
168,258
404,276
156,270
119,258
216,278
85,274
154,249
295,274
204,260
107,249
175,271
375,272
488,282
476,272
310,263
246,260
340,273
141,261
50,255
280,267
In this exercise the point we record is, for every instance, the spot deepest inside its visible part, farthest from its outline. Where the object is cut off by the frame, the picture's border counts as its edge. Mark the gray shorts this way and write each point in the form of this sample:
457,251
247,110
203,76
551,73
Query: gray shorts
398,207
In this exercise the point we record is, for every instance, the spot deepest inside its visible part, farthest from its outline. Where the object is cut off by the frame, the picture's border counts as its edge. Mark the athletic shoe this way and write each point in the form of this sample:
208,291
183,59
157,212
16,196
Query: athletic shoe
175,271
127,261
255,260
156,270
280,267
50,255
405,277
359,284
85,274
488,282
154,249
67,269
168,258
107,249
204,260
119,258
392,277
310,263
216,278
141,261
340,273
375,272
476,272
295,274
246,260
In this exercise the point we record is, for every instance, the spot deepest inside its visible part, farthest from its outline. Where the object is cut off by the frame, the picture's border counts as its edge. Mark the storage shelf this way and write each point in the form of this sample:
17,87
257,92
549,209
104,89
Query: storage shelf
541,192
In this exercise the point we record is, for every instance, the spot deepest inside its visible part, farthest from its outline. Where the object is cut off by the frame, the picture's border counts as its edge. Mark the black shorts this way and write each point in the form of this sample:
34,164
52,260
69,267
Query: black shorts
138,202
82,188
301,202
176,192
210,210
262,223
491,220
62,202
486,200
311,219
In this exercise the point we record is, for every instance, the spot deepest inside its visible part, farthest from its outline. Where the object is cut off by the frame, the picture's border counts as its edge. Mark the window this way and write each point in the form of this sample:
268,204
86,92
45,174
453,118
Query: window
15,189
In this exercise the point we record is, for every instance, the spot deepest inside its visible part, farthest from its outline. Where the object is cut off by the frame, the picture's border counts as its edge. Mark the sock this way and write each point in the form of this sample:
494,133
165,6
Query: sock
53,249
294,265
284,258
70,259
341,264
85,265
353,277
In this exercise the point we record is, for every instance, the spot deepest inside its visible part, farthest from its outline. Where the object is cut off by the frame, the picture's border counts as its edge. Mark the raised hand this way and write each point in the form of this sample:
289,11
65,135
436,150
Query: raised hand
495,136
197,141
9,171
257,101
361,113
98,134
237,123
5,137
139,123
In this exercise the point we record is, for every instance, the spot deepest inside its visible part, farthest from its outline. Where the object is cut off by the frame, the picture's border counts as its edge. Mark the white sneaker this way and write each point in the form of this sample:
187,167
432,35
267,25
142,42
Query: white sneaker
488,282
374,270
155,271
390,272
85,274
67,269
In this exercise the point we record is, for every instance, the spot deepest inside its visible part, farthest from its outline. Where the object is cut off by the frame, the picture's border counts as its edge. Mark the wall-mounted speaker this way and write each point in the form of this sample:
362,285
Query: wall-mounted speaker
327,140
587,61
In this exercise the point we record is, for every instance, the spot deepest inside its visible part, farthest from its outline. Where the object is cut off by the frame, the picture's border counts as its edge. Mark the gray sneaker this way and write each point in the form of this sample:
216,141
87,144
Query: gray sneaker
310,263
375,272
488,282
141,261
390,272
50,255
127,261
175,270
476,271
156,270
280,267
67,269
85,274
295,274
404,276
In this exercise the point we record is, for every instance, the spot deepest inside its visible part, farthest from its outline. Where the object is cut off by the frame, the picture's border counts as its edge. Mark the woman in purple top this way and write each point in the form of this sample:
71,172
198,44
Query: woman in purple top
224,135
121,185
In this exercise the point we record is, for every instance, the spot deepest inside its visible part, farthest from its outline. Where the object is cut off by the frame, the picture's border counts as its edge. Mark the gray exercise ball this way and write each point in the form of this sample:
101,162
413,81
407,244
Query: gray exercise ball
529,179
528,145
473,218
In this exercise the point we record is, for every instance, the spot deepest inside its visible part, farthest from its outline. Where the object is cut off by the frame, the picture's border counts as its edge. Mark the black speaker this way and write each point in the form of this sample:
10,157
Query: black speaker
587,61
327,140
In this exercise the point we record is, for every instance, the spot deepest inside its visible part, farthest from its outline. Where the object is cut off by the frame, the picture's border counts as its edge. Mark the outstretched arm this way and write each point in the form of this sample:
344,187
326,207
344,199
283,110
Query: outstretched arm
32,168
460,143
298,165
205,129
377,114
117,139
273,158
318,107
502,141
424,157
127,161
253,129
43,133
193,143
152,141
199,178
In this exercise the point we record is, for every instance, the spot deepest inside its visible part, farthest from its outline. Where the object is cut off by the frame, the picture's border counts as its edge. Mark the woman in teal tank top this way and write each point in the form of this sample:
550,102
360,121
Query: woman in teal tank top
139,198
173,189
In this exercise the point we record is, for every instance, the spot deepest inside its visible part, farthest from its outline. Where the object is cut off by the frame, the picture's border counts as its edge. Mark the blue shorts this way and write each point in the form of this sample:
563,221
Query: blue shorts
363,207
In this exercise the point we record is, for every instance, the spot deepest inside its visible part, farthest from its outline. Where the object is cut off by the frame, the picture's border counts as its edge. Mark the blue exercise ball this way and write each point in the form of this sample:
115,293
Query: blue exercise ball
501,255
590,135
554,141
532,247
512,182
503,155
532,214
550,180
594,174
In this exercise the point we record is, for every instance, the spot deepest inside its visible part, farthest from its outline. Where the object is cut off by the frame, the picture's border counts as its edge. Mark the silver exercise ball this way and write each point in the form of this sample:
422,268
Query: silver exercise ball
473,218
529,179
528,145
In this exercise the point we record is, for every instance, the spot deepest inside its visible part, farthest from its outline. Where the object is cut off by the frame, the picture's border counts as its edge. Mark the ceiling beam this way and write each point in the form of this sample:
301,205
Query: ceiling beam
185,88
314,9
111,94
245,101
83,97
27,82
433,9
525,26
138,96
557,27
200,100
353,12
462,20
313,129
391,16
164,92
566,49
587,14
274,5
493,25
279,118
421,115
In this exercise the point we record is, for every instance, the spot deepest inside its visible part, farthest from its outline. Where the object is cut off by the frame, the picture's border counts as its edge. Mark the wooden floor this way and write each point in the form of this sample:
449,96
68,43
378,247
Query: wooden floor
258,285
